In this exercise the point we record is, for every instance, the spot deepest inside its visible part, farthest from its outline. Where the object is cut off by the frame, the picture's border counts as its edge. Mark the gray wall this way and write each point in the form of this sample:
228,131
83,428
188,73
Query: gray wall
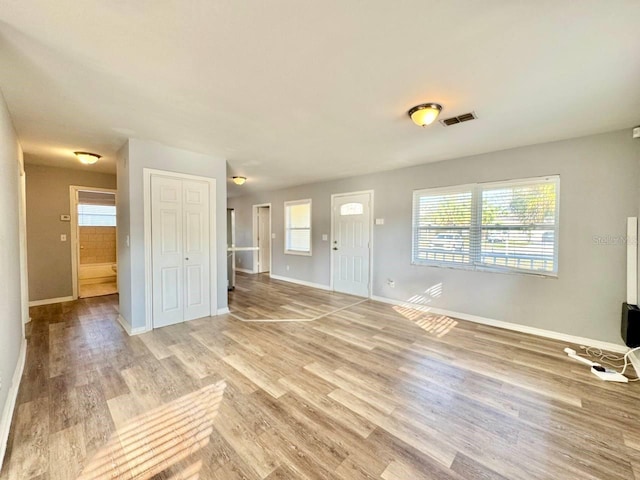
132,159
49,258
11,307
599,189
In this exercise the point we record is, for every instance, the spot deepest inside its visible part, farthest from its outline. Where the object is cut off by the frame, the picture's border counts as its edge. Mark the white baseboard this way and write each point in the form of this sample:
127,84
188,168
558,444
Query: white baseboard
612,347
127,328
223,311
301,282
49,301
12,396
244,270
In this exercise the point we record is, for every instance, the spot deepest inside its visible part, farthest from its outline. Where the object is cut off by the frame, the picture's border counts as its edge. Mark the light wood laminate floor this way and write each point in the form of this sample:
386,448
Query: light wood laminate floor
369,392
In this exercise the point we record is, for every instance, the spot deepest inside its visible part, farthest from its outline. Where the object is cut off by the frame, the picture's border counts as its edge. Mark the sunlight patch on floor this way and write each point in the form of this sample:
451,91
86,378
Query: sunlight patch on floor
155,441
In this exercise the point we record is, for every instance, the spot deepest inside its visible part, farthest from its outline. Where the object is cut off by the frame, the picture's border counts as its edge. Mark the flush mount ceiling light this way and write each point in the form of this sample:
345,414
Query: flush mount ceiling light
425,114
239,180
87,158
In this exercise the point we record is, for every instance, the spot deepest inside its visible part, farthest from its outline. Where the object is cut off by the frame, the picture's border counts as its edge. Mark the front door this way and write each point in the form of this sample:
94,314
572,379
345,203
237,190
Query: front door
351,243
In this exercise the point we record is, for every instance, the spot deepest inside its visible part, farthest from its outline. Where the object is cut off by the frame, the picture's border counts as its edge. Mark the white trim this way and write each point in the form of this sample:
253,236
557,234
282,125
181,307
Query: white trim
147,173
311,319
22,229
613,347
49,301
371,225
245,270
301,282
10,404
256,254
74,231
127,328
223,311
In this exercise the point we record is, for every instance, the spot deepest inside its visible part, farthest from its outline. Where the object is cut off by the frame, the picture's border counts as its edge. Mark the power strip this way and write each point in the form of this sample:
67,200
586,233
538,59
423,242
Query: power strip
608,375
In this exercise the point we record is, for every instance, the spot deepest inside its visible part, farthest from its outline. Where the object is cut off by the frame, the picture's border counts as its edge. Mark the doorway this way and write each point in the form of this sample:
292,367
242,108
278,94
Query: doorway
93,241
351,242
262,238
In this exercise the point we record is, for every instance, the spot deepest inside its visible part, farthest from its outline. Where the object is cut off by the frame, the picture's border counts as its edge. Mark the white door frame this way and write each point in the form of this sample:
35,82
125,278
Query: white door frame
254,217
24,271
333,198
75,241
148,270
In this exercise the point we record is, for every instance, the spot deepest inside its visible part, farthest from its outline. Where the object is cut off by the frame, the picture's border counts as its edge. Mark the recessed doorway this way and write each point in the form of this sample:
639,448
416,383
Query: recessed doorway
93,241
262,238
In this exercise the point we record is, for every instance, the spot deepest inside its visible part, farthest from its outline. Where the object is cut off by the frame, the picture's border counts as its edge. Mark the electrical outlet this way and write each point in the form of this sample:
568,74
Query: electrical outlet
63,237
240,260
287,268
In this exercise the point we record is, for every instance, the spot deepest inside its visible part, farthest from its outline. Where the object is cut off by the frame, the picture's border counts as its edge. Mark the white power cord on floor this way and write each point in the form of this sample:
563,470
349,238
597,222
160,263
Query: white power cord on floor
608,358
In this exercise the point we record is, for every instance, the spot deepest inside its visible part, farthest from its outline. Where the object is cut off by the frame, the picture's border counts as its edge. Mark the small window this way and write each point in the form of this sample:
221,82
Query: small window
96,215
351,209
297,226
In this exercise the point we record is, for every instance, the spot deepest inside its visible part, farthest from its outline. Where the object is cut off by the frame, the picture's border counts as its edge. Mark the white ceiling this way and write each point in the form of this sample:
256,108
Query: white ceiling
293,91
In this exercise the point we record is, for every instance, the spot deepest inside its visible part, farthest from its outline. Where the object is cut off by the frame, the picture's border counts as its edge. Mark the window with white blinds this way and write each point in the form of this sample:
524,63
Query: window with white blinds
96,215
297,227
505,226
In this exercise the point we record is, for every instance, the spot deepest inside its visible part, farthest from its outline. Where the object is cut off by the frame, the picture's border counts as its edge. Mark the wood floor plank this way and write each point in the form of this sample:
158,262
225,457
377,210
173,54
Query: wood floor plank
30,453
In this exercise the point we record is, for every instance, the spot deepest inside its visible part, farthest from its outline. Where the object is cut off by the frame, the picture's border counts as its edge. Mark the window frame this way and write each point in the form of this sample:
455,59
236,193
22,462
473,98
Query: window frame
476,226
291,203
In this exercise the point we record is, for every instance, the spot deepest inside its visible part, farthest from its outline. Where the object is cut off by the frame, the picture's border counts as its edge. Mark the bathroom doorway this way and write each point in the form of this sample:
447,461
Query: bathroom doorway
93,242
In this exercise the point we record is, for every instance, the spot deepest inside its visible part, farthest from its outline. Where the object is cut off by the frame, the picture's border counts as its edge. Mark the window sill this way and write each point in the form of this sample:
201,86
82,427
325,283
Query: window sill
479,268
293,252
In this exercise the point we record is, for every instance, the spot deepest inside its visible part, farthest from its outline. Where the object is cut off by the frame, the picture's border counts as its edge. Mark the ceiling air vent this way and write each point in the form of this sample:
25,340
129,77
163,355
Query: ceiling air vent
465,117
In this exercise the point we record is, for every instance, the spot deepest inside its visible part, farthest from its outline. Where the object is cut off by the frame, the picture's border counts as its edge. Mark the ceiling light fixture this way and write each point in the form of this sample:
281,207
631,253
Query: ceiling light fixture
87,158
239,180
425,114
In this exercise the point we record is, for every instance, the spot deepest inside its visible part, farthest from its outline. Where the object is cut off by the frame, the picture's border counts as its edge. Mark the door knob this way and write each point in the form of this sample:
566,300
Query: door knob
187,258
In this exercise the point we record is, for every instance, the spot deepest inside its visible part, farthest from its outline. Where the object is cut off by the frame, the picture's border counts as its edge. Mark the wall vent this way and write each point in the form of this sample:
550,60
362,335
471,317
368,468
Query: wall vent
465,117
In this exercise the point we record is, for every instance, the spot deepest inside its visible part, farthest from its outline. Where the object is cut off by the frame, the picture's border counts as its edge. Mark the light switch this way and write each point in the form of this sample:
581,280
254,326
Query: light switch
325,237
63,237
273,235
379,221
65,218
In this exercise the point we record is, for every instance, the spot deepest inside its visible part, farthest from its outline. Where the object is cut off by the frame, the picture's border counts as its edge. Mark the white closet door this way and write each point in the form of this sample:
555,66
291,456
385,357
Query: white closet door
196,250
167,250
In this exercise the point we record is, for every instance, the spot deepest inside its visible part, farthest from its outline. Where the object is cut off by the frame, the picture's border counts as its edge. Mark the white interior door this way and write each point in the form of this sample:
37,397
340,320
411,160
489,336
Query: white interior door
180,250
351,243
264,239
167,249
196,250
